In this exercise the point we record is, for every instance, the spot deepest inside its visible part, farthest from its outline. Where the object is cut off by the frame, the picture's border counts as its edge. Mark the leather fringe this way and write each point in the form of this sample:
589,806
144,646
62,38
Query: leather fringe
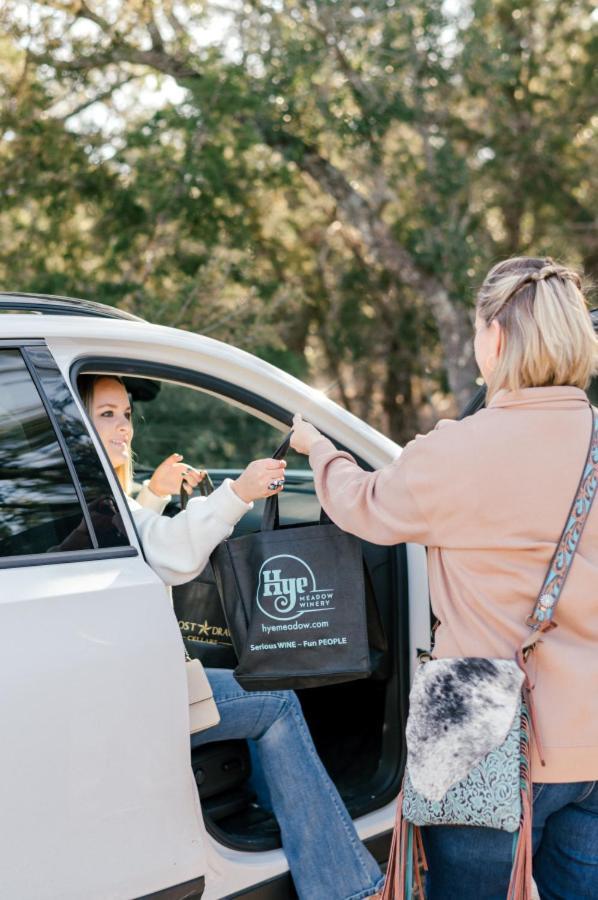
520,886
406,860
528,697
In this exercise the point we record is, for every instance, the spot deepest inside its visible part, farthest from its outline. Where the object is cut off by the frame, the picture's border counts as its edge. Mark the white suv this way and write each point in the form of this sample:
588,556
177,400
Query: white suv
99,800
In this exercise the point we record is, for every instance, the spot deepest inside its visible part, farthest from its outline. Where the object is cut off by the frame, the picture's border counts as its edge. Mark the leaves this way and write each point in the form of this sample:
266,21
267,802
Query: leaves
321,183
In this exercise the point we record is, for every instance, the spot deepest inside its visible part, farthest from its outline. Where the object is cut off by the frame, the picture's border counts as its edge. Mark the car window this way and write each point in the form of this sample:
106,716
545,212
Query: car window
593,391
39,508
209,431
107,524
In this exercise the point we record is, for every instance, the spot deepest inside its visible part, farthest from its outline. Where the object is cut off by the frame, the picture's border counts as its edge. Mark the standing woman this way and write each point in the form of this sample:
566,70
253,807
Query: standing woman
489,496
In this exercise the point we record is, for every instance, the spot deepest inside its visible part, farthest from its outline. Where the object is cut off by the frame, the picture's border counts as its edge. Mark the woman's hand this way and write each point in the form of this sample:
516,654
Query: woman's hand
173,472
304,435
261,478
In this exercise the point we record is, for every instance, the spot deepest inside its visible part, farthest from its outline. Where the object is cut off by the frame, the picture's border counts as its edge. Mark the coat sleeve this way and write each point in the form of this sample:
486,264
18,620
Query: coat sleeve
387,506
149,500
178,549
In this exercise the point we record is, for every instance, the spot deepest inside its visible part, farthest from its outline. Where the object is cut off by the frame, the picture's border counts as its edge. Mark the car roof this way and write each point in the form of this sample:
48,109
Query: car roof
49,304
80,333
55,305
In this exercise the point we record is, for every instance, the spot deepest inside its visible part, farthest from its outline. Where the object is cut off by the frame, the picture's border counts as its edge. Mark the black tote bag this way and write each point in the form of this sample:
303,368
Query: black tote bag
202,623
294,600
199,611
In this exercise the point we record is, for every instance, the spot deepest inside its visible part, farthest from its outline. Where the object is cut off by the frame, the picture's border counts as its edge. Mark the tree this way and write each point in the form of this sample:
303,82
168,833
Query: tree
330,184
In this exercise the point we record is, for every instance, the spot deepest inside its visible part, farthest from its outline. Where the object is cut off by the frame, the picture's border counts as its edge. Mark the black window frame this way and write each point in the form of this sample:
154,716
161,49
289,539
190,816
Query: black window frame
185,377
67,556
142,368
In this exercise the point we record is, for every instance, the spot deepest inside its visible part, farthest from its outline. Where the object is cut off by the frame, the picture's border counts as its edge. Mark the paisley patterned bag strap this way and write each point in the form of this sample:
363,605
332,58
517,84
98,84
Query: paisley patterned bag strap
541,618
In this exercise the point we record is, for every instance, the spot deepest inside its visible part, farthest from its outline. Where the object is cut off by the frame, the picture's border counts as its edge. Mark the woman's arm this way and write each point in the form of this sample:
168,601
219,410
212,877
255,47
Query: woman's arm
178,549
377,506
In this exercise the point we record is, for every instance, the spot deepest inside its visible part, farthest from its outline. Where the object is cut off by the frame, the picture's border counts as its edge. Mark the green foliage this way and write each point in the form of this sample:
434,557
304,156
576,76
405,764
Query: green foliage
322,171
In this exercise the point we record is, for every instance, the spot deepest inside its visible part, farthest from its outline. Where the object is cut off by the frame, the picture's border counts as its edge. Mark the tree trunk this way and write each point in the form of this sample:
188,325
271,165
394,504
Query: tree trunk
453,319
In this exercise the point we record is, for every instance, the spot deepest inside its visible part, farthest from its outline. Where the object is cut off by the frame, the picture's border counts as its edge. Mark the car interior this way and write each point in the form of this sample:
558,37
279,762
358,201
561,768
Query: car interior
357,727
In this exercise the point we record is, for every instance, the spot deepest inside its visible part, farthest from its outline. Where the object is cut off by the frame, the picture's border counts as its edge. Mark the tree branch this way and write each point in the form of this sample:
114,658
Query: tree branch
152,28
119,52
99,98
361,89
85,12
180,32
452,319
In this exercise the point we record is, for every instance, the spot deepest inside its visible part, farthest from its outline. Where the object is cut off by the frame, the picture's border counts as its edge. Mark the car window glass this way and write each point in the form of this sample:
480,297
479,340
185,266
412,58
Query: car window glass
107,523
39,508
593,391
206,429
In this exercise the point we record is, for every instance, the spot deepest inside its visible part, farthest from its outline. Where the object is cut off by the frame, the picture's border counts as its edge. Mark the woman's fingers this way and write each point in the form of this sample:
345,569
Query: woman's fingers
274,476
192,476
172,473
189,473
274,463
261,478
304,435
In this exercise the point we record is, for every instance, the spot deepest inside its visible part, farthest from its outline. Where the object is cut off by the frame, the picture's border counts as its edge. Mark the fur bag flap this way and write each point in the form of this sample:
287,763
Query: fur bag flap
460,710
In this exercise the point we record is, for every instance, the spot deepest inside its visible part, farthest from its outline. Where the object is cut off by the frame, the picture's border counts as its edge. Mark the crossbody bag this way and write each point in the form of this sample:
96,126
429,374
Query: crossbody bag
203,712
469,730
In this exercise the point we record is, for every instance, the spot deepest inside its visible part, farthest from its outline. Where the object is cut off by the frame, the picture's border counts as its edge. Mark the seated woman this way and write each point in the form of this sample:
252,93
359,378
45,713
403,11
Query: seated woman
325,855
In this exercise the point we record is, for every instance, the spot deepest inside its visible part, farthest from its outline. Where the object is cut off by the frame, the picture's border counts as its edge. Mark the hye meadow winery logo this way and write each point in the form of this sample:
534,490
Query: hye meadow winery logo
287,589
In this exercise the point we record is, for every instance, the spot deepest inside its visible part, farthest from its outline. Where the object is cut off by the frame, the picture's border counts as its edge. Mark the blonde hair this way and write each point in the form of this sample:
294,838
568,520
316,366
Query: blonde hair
548,337
86,385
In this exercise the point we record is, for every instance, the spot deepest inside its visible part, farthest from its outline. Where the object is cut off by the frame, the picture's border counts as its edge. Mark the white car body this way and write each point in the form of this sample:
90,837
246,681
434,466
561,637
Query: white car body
97,795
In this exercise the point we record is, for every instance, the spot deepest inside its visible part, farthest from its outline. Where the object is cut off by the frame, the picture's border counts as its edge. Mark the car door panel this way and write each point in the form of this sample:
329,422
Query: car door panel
95,757
94,694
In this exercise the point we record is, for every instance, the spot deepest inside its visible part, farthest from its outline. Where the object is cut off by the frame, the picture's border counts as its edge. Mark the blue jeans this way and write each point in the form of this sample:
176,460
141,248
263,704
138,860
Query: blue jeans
326,858
475,863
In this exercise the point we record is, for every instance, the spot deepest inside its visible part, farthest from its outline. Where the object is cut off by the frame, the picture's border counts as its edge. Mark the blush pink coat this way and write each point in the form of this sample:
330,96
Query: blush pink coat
489,497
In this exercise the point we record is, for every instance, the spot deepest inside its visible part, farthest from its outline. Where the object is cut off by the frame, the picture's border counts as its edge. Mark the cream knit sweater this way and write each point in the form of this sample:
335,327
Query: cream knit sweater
178,549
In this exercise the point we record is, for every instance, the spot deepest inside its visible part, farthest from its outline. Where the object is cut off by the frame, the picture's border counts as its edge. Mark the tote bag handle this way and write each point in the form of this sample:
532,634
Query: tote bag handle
271,517
205,487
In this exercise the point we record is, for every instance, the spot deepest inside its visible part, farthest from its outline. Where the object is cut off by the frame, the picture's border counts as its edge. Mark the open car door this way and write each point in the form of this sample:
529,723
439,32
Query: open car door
98,798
